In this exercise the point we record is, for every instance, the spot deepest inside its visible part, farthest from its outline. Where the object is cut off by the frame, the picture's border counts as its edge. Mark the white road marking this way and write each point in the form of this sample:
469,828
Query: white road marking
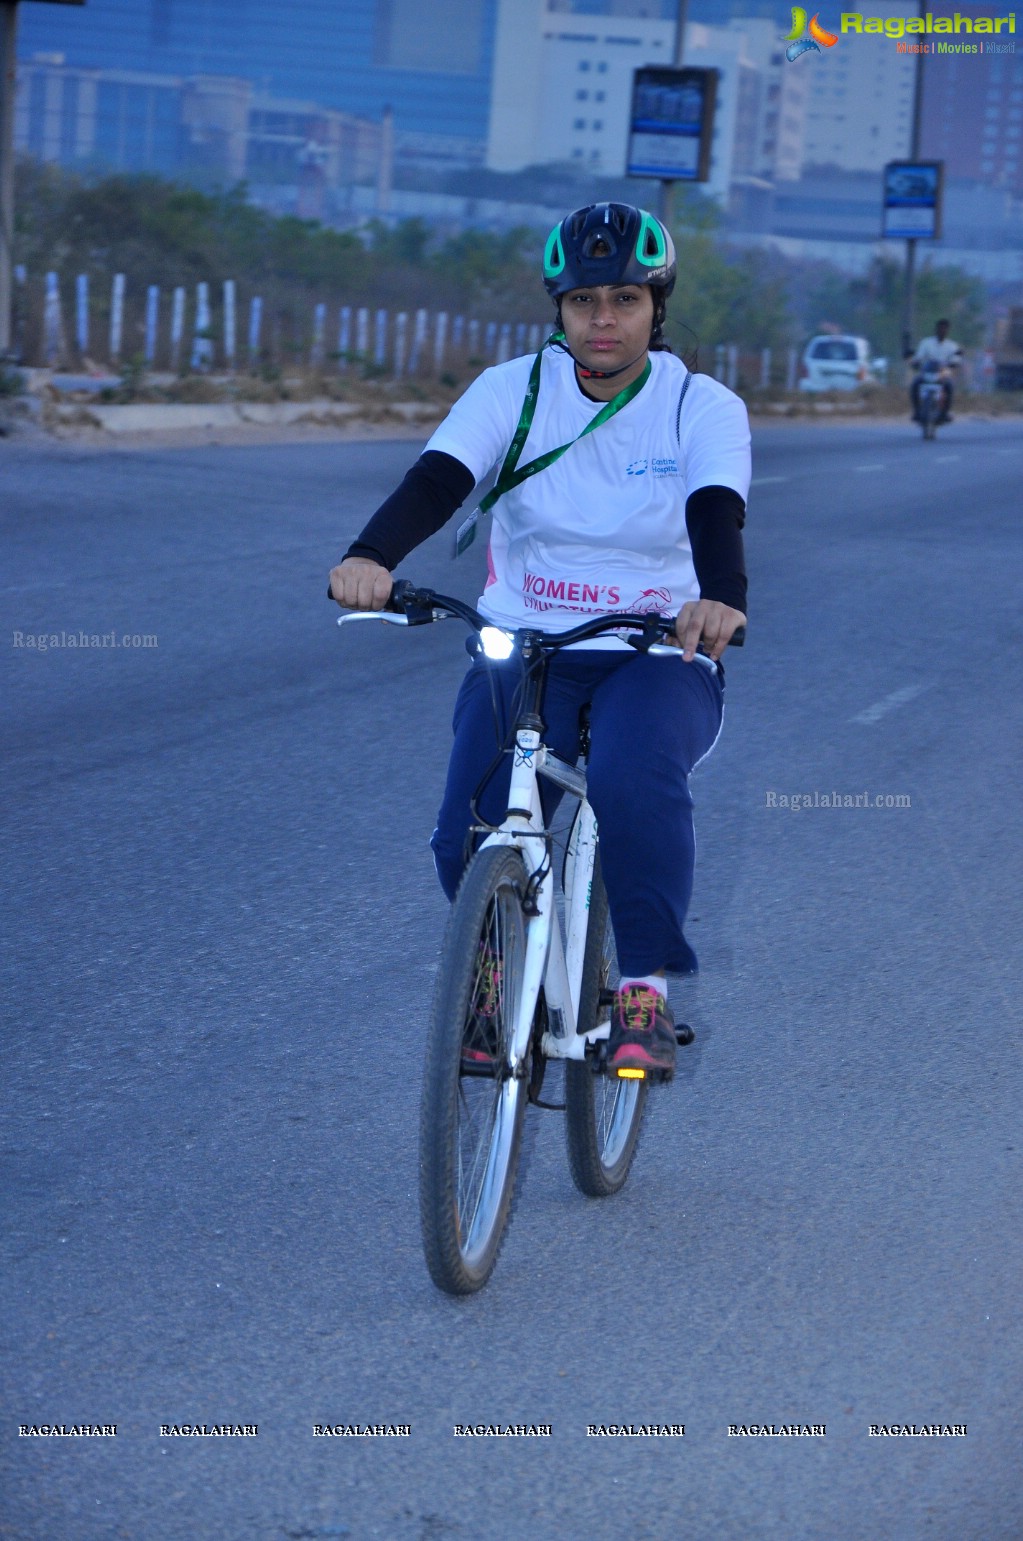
29,588
868,468
762,481
889,703
941,458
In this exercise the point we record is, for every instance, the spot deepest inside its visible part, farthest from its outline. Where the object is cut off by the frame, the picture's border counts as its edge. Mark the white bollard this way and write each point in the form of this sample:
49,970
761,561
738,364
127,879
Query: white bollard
177,328
458,333
152,319
380,351
733,366
440,338
229,323
520,338
790,370
719,362
116,317
202,342
490,340
255,327
534,337
504,343
474,340
362,332
51,322
319,336
344,336
400,339
82,313
415,362
765,368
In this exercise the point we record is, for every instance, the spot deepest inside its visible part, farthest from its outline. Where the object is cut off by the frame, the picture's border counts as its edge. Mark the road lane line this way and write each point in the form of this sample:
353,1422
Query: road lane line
889,703
868,468
942,458
28,588
762,481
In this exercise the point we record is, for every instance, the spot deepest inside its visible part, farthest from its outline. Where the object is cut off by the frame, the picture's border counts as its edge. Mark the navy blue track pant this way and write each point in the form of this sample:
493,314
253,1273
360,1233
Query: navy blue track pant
651,721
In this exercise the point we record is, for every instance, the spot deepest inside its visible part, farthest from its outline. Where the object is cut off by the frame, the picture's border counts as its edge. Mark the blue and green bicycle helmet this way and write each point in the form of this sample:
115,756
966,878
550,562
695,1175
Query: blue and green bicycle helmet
608,243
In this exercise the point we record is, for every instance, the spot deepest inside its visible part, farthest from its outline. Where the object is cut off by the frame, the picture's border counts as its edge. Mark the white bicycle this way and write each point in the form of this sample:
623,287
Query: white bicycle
519,984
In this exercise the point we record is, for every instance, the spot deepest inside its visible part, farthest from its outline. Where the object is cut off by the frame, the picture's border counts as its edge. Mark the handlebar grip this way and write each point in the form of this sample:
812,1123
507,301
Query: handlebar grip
399,592
738,637
401,589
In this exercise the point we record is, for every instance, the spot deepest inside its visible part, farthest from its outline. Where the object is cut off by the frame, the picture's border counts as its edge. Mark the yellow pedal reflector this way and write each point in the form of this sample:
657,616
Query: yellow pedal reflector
627,1073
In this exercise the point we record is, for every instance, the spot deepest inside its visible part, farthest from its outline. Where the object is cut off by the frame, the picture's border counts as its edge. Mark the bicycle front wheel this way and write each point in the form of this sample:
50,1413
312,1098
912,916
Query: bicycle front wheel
473,1106
603,1114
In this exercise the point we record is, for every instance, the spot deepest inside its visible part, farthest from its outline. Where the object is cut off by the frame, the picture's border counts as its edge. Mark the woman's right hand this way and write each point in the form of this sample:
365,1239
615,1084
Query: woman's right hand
359,584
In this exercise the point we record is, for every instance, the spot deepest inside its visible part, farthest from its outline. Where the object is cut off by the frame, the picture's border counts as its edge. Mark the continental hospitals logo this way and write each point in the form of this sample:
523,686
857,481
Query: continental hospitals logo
991,31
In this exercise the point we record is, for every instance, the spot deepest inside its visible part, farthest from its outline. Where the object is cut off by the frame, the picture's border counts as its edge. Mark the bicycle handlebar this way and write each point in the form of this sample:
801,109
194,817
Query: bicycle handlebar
419,607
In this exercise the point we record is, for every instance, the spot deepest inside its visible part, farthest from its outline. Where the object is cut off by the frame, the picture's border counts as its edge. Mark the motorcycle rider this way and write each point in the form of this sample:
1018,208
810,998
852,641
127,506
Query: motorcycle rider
942,350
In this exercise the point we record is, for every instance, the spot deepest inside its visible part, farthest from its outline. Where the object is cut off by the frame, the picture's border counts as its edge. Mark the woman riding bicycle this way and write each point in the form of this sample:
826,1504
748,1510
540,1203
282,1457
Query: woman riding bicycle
640,509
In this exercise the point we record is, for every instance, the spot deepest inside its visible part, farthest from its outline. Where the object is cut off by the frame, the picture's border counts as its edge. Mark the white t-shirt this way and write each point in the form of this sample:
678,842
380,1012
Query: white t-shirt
947,352
603,528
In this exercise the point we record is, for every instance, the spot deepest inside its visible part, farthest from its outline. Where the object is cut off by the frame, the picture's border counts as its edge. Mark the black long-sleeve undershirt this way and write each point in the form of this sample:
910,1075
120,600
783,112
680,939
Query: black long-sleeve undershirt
438,484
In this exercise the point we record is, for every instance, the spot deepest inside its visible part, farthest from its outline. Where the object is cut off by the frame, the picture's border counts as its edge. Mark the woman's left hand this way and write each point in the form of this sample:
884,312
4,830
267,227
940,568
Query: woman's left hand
707,621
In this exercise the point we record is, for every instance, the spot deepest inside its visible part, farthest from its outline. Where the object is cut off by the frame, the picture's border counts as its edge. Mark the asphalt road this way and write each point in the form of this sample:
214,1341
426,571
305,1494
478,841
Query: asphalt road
221,926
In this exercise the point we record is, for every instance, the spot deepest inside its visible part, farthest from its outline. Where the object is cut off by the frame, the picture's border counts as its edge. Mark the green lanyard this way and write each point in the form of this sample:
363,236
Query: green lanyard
511,473
509,476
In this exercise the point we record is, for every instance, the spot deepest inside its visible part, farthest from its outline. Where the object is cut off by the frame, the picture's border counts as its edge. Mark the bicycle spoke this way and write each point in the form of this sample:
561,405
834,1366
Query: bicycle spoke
603,1115
487,1105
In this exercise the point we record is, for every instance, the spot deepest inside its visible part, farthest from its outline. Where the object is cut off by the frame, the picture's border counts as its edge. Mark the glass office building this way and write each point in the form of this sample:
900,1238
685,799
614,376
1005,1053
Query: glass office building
430,60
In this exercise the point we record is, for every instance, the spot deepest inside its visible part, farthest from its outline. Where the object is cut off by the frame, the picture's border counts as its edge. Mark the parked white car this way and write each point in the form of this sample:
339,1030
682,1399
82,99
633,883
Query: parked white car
831,363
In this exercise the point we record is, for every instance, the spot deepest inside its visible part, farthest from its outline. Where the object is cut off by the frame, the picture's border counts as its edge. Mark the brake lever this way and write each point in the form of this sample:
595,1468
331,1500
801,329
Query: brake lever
652,633
651,638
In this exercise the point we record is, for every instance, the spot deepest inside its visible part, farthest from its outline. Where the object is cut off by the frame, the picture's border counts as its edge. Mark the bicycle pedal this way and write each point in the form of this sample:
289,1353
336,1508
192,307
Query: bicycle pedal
684,1033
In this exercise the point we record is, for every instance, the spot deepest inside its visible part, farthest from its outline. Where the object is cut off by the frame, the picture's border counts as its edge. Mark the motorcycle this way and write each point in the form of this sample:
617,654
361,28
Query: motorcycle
932,396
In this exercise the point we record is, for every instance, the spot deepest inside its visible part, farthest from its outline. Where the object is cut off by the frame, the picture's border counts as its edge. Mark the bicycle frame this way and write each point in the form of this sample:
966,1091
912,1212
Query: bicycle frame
554,962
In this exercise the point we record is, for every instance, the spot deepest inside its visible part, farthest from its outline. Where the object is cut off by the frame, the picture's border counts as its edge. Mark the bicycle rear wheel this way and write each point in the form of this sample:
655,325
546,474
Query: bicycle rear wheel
471,1119
603,1114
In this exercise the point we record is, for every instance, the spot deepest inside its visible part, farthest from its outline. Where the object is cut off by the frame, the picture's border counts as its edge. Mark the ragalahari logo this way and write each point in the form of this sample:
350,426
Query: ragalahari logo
798,44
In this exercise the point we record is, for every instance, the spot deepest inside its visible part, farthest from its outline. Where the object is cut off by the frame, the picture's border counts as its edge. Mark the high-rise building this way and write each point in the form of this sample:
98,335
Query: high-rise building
972,117
563,84
860,101
430,60
293,153
562,91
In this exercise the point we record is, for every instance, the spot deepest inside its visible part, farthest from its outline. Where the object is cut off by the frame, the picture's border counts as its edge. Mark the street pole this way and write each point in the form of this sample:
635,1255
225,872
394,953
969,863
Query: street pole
8,30
667,186
909,288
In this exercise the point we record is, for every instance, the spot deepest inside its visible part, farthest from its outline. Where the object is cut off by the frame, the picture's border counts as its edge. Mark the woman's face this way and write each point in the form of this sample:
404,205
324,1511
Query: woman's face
608,326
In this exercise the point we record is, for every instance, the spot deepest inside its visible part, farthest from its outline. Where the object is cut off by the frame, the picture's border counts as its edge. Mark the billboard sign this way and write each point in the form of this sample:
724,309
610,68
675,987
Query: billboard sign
671,124
912,200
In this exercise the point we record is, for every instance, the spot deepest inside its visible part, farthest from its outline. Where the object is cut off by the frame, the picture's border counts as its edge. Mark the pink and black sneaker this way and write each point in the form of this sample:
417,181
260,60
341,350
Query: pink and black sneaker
641,1044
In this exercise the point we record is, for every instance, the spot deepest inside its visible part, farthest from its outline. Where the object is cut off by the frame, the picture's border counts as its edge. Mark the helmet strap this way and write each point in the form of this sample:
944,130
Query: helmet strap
605,374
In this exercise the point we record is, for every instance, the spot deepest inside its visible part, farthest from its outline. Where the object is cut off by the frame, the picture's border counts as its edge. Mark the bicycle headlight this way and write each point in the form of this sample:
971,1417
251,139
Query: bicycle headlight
495,643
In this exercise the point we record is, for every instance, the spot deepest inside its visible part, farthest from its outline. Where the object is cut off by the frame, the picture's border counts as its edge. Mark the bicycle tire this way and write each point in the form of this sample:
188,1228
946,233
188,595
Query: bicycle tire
603,1114
470,1132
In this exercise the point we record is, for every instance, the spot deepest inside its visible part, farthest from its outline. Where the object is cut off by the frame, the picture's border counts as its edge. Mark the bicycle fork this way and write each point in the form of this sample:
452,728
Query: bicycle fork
546,963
